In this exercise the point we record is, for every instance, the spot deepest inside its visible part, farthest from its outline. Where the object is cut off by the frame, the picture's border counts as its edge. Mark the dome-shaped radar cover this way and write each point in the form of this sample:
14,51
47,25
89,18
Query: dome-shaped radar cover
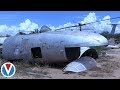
45,29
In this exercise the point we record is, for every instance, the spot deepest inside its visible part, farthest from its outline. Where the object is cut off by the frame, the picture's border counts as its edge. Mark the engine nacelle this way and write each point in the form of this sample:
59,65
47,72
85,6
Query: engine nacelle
87,51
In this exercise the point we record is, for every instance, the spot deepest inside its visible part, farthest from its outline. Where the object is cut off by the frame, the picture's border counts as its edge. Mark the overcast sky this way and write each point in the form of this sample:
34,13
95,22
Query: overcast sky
13,21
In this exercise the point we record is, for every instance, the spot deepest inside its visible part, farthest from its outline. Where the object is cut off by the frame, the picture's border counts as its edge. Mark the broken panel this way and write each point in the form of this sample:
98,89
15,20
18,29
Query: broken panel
79,65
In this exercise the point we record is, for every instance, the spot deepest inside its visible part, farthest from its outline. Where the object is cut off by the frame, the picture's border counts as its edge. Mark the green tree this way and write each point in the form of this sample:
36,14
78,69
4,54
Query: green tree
106,34
7,35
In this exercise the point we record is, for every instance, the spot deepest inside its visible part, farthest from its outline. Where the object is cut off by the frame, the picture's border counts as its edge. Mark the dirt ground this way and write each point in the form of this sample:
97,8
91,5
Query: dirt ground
108,67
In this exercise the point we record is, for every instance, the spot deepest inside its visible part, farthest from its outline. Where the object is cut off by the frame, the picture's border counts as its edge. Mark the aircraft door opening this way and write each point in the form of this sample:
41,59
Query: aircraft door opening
72,53
36,52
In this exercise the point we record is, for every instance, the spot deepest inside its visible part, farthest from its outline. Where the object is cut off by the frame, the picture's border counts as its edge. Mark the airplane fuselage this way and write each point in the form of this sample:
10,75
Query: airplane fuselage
50,46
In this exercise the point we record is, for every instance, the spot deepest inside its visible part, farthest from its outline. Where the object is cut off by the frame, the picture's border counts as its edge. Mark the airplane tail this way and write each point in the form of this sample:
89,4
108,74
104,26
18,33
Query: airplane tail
113,29
111,41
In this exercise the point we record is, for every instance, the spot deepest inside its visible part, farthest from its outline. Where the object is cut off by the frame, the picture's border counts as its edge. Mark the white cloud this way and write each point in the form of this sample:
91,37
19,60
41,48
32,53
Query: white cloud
91,17
62,26
27,25
52,27
4,29
98,27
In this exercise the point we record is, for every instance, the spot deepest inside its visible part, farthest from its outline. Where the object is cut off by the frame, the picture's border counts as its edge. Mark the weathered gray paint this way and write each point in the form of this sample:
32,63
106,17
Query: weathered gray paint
52,45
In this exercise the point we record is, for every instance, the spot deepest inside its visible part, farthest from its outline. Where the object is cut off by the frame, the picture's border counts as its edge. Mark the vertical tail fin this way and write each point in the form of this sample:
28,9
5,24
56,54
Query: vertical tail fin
113,28
112,40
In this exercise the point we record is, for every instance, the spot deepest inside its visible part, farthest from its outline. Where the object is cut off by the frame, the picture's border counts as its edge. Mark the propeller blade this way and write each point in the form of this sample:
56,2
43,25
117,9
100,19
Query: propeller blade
102,20
67,27
79,24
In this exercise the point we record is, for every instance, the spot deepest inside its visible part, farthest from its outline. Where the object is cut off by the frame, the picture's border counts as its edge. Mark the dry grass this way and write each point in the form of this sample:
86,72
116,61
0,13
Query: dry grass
107,67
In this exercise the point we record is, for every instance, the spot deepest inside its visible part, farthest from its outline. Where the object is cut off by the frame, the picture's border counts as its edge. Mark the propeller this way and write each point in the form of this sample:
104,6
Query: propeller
80,25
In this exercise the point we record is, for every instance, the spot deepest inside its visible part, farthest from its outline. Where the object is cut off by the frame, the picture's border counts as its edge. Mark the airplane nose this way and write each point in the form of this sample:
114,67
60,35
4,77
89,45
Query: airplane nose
85,39
101,40
95,40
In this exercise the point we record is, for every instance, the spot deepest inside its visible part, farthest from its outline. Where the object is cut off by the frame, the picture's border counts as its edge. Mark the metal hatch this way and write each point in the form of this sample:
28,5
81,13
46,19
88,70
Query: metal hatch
79,65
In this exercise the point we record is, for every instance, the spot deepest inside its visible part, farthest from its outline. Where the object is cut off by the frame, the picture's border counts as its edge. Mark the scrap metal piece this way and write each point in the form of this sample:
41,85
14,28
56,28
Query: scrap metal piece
79,65
113,46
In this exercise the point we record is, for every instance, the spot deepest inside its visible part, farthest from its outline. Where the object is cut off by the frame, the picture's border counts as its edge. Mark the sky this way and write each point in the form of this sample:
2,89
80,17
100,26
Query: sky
13,21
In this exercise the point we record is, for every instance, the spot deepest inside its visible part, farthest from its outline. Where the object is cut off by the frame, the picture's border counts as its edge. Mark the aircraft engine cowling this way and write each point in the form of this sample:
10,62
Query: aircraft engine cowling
87,51
73,53
85,61
44,28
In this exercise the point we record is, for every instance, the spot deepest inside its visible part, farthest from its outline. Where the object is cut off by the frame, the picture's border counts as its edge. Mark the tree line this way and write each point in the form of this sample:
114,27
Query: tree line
108,36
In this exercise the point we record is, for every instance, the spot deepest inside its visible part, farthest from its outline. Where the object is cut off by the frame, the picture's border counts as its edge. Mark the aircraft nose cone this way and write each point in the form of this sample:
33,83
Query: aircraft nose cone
85,39
101,40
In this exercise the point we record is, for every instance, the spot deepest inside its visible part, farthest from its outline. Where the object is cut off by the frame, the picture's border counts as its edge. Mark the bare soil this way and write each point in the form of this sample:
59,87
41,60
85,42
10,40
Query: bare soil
108,67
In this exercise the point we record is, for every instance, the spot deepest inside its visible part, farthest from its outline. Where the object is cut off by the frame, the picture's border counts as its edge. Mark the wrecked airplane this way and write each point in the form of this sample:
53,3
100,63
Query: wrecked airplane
79,48
53,47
